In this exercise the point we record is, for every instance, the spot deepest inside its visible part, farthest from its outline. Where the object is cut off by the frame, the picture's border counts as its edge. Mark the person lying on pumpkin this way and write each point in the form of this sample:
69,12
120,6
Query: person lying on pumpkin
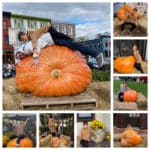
19,126
123,87
86,133
58,39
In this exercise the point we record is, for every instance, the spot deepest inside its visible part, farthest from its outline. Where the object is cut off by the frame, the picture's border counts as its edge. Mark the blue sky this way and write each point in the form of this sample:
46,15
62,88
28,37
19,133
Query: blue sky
90,18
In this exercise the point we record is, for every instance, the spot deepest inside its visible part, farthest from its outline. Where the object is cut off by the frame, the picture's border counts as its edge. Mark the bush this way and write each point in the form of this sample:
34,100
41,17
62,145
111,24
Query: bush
101,75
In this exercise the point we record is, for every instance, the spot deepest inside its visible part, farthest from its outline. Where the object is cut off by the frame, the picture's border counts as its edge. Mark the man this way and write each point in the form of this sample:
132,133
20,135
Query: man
130,20
20,125
86,133
59,39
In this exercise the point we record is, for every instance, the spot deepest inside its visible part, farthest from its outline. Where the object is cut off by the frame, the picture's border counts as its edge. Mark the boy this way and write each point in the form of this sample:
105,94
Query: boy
138,59
130,20
58,39
20,125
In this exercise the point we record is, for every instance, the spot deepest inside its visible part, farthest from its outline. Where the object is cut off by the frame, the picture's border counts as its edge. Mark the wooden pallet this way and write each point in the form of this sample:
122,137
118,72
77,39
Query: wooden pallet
77,102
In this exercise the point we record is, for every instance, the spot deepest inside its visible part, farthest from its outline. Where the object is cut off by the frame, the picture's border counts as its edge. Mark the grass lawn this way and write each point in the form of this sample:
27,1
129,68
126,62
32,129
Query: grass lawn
100,75
138,86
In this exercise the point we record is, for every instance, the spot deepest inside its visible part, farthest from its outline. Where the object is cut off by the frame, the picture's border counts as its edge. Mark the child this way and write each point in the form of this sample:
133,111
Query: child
138,59
130,20
58,39
51,124
20,125
86,134
123,88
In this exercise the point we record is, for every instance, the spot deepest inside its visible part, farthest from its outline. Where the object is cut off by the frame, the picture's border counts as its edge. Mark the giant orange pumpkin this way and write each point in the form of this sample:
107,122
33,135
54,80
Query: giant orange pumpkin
26,142
130,96
130,138
124,64
122,11
61,72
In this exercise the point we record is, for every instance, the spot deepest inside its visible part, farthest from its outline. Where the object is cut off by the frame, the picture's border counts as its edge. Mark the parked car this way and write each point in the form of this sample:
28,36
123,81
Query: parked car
132,79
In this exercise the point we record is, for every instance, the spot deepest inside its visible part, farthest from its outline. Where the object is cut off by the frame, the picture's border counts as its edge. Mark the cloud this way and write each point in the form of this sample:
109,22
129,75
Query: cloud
90,18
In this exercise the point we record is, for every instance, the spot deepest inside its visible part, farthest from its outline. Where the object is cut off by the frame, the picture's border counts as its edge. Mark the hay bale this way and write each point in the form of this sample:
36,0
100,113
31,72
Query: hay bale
142,22
126,106
141,100
44,141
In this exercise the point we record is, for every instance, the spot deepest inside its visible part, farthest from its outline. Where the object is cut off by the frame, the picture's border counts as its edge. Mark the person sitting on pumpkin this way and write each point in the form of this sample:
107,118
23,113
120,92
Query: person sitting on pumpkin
86,134
58,39
19,126
130,20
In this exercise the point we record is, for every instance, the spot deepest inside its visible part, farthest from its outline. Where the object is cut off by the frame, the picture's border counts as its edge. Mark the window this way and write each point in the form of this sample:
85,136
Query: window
32,24
18,23
63,29
70,30
56,27
87,117
4,25
43,24
6,40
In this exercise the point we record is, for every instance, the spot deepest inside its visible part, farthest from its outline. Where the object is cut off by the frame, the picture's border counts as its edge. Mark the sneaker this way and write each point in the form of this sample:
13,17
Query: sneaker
100,60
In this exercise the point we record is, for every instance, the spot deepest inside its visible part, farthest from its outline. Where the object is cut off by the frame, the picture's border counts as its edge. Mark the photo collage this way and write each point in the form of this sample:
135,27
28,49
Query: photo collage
75,74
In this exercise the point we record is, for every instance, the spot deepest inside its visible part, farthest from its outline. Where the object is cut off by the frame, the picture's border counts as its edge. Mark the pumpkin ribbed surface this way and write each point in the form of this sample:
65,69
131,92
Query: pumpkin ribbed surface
124,64
26,142
130,96
122,11
61,72
130,138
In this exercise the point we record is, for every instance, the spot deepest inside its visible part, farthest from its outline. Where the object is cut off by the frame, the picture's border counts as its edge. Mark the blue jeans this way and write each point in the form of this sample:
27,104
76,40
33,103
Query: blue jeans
76,47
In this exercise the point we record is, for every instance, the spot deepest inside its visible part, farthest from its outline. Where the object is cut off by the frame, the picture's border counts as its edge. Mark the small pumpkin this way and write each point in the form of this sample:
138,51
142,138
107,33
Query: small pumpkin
130,138
61,73
124,64
130,96
122,11
26,142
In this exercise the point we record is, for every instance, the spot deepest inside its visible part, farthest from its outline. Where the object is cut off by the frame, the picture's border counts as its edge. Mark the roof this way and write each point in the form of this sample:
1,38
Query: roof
30,17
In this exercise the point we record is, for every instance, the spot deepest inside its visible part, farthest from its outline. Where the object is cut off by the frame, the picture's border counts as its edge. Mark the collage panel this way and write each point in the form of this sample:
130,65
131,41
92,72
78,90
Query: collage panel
130,93
130,19
130,130
130,56
19,130
71,69
93,130
56,130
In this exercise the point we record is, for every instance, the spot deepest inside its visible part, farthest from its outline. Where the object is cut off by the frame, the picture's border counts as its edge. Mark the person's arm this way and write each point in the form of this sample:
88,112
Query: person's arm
26,121
12,123
37,33
94,133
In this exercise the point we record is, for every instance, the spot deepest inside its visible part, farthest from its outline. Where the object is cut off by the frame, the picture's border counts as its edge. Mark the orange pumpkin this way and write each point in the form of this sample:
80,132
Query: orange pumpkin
26,142
130,96
124,64
62,72
122,11
130,138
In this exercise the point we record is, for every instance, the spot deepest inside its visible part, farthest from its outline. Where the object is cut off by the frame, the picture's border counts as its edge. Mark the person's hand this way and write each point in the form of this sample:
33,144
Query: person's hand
36,62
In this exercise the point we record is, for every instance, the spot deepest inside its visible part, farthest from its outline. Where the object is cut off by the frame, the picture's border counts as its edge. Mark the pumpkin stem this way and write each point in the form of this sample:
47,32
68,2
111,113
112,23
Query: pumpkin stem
55,73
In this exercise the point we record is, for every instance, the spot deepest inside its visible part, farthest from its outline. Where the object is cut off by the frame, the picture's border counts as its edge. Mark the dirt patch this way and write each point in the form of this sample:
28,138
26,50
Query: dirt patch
12,98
